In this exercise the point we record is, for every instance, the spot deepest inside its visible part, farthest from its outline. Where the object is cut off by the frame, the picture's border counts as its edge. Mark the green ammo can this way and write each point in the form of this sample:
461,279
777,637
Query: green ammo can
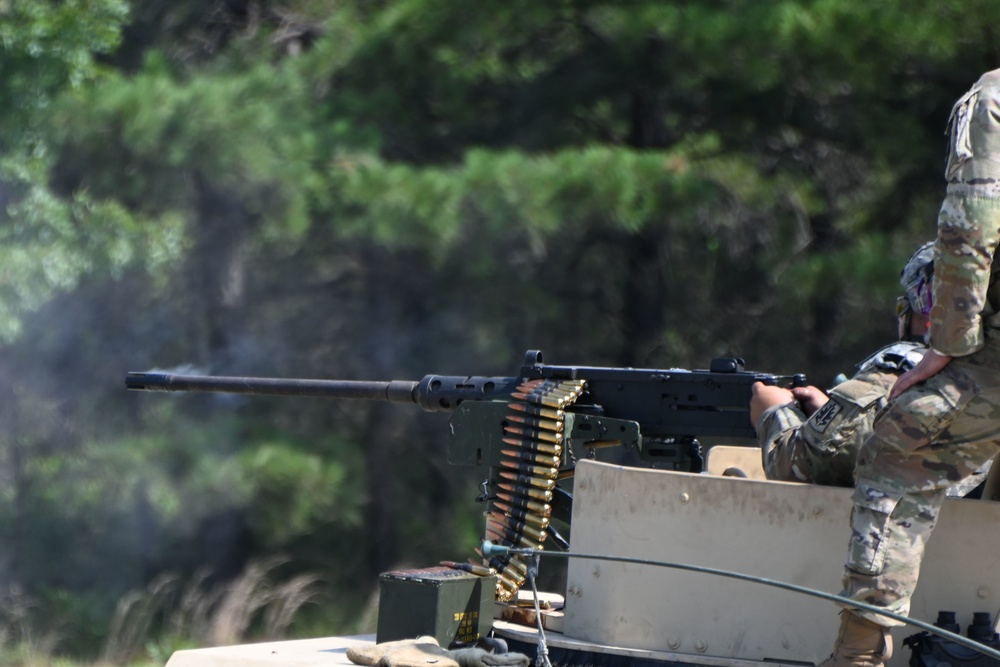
447,604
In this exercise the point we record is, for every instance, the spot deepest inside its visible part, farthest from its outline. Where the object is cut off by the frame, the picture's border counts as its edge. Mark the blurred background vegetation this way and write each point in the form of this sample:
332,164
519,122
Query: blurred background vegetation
379,189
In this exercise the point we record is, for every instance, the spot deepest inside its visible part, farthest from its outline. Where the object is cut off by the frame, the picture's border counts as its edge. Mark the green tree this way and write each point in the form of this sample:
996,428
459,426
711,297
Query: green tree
378,190
49,242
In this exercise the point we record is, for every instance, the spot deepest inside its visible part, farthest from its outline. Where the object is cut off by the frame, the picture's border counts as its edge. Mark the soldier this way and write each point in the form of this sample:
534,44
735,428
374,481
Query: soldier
807,436
942,422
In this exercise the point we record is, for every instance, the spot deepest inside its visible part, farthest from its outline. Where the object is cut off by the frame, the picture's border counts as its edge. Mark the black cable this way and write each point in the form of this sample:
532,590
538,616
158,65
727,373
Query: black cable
490,549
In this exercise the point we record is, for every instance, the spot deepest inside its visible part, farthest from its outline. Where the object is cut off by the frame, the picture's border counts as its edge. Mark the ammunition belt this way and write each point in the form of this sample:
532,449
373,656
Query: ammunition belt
529,469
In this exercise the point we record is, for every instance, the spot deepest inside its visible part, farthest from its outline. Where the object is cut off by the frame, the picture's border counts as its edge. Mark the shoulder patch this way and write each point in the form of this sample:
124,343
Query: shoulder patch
864,389
825,415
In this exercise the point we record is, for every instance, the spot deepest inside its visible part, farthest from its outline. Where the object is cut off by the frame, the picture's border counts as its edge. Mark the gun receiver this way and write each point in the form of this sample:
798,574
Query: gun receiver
671,403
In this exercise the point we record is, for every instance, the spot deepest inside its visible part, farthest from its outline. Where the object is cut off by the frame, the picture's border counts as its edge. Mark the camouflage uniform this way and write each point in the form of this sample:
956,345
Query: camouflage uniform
823,448
940,431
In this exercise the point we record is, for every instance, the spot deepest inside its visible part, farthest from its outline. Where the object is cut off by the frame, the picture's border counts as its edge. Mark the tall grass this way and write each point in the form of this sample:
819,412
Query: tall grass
252,606
22,643
149,625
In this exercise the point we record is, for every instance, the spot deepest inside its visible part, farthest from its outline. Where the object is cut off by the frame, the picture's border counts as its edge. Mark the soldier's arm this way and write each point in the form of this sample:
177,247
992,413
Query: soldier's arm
968,228
963,255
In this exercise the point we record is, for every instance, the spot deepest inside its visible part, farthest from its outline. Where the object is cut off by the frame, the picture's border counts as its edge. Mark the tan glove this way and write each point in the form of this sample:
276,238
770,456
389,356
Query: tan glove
419,652
477,657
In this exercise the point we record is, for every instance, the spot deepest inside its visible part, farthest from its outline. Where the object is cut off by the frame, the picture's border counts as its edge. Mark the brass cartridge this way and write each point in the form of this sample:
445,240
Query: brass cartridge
521,527
534,434
528,469
528,444
527,480
522,514
540,508
534,422
547,401
529,456
527,491
538,411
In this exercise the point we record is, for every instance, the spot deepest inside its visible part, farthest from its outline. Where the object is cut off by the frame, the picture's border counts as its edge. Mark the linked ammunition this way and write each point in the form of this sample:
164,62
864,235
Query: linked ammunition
553,391
522,500
518,463
531,457
534,445
537,411
528,441
527,480
512,575
492,563
509,583
569,396
565,385
500,565
522,514
512,568
528,469
534,433
518,568
547,401
545,424
514,533
533,505
519,540
520,527
530,492
471,568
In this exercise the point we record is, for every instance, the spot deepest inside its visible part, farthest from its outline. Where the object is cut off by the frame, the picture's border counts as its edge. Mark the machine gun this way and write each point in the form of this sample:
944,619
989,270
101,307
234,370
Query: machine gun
531,429
658,412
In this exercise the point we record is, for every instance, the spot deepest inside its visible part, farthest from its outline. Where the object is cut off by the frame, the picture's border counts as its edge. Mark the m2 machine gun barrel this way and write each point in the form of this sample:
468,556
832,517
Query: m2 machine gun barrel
660,412
434,393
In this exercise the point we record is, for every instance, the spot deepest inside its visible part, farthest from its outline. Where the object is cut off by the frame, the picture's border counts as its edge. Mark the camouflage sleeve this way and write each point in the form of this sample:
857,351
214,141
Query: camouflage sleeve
968,224
963,255
775,421
780,433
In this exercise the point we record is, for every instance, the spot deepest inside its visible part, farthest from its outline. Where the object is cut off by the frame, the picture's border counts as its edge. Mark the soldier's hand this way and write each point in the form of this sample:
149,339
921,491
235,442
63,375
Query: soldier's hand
930,365
810,398
766,396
